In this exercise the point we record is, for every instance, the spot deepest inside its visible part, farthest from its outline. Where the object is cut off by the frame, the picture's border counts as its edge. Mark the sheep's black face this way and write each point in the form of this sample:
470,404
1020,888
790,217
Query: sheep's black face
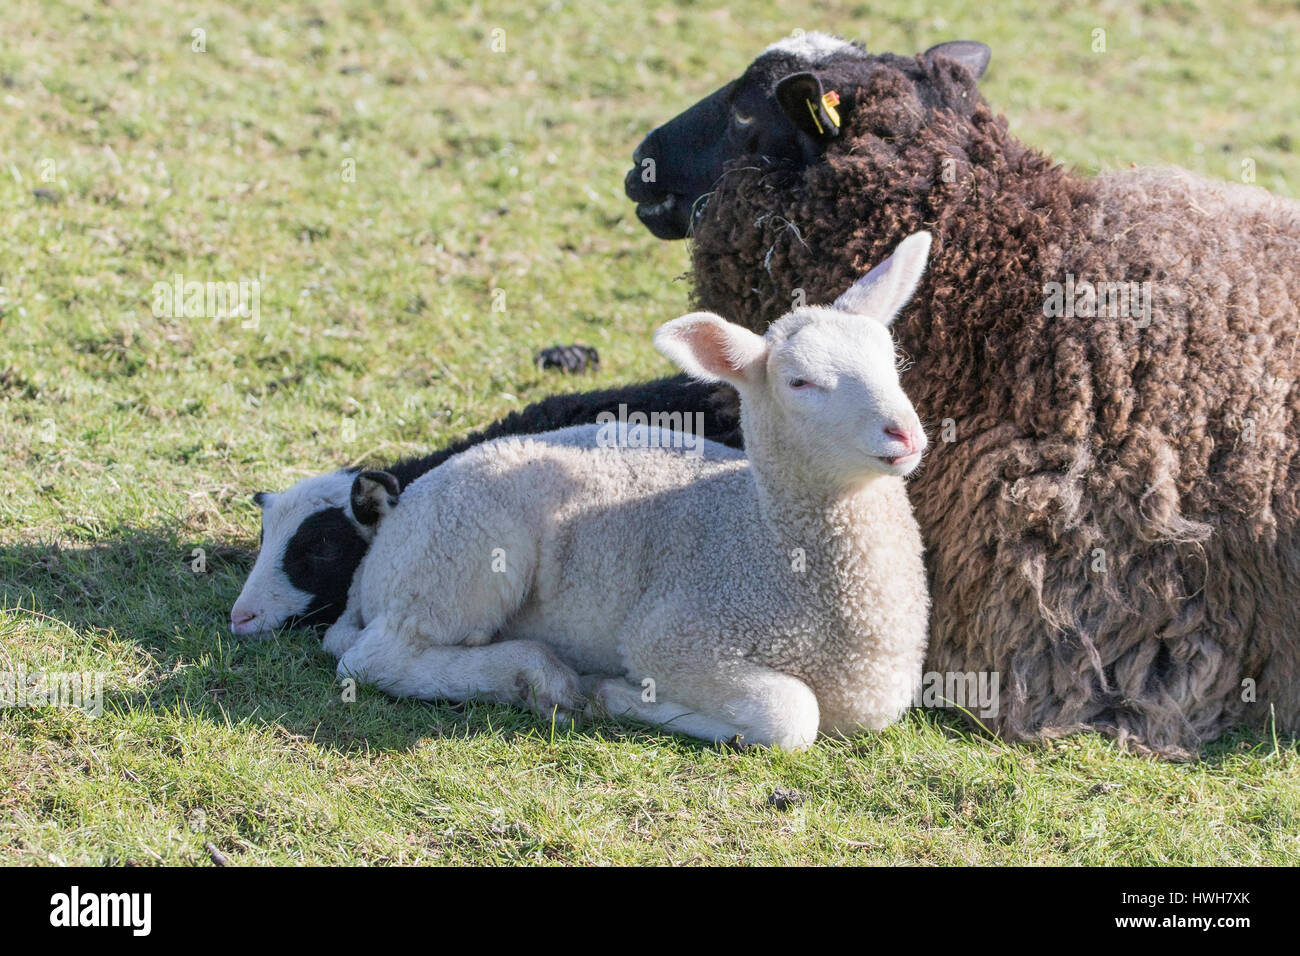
786,109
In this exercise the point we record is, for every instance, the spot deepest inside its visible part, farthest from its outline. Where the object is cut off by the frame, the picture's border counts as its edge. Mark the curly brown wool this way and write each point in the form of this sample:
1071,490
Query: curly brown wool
1112,526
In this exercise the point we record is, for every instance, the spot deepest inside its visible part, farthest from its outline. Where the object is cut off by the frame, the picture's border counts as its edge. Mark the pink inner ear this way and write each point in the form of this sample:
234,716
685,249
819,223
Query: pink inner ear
709,344
723,352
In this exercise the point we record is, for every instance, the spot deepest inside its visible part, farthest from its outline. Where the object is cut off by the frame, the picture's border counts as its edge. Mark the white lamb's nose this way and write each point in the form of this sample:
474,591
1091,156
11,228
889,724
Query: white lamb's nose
240,621
903,435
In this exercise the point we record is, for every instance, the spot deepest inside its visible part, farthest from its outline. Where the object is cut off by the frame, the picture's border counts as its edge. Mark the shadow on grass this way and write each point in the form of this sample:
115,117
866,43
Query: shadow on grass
170,598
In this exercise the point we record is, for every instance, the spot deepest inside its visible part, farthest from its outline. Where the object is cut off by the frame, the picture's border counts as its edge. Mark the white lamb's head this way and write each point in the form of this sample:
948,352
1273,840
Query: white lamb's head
821,388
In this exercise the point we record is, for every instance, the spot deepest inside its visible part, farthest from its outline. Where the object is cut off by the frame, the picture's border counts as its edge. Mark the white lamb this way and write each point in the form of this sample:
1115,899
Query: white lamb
765,598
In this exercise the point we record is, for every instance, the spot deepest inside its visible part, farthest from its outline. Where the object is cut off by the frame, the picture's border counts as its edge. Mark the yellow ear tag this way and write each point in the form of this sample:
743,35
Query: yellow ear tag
829,102
813,112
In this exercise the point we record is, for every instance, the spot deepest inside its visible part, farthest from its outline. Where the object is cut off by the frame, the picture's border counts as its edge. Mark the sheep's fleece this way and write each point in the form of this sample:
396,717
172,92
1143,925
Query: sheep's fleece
1110,508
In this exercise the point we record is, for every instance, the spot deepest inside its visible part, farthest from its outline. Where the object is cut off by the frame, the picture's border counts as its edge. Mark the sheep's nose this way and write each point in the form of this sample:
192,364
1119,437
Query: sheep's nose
241,619
902,435
648,148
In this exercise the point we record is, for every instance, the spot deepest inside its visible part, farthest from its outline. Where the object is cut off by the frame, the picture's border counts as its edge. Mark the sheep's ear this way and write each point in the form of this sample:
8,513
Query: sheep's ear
374,494
808,106
971,54
262,498
883,291
708,347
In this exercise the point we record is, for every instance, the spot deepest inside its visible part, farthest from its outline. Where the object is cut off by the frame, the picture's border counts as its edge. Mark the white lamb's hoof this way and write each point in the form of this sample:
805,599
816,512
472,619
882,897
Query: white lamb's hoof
611,697
339,640
589,687
549,691
350,666
589,683
594,707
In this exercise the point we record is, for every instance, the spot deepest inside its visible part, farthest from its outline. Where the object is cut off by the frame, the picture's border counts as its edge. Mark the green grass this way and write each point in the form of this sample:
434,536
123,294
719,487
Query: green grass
127,441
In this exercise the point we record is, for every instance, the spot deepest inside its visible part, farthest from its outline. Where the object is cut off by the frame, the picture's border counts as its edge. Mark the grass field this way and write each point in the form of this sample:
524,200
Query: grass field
392,177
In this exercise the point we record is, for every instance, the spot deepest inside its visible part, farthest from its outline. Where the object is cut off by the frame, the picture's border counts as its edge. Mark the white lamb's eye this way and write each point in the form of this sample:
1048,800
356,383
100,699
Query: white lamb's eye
800,383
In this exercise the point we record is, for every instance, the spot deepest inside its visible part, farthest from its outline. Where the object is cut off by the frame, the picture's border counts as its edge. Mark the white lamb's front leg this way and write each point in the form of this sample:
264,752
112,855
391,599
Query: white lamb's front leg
756,704
617,698
345,632
513,672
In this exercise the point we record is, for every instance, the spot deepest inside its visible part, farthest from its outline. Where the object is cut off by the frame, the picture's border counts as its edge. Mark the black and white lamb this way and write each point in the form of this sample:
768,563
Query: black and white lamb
312,541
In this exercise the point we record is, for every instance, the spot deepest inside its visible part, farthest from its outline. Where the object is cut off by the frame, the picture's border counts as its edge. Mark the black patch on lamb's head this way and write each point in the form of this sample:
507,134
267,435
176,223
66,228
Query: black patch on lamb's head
320,559
786,109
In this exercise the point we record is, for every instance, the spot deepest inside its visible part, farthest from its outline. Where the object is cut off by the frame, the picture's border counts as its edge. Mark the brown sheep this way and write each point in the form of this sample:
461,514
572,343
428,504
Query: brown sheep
1111,510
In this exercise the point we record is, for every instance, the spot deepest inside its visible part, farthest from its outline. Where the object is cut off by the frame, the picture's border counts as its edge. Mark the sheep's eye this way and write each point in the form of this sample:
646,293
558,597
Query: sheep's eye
740,118
800,383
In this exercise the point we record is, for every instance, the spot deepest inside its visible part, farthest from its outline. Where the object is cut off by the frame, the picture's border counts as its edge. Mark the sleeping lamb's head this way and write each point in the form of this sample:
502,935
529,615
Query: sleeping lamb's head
820,391
314,536
788,108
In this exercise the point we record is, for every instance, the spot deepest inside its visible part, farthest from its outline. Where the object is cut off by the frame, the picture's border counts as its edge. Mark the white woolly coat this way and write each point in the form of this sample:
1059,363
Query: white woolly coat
657,565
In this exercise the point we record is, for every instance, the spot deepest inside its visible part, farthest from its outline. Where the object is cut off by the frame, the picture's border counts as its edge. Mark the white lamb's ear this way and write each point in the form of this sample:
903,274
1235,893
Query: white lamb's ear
883,291
708,347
